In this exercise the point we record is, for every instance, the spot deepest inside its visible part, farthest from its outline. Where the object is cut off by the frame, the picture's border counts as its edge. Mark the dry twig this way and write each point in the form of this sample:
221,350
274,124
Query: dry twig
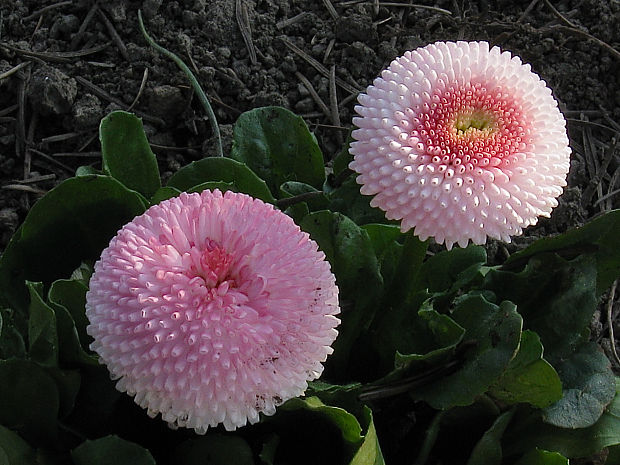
20,127
590,123
313,93
24,188
93,154
330,8
34,120
328,50
145,77
580,33
51,160
14,69
101,65
333,102
419,7
88,142
610,320
99,92
57,57
114,35
243,21
9,109
87,19
318,66
45,10
289,21
59,137
33,179
559,15
527,11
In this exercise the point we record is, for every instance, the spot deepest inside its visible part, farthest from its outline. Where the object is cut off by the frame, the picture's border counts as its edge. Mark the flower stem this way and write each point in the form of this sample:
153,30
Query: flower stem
429,440
192,79
283,204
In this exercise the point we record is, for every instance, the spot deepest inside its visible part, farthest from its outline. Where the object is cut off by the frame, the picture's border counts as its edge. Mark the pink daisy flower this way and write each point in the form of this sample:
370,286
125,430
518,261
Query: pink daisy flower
460,142
212,308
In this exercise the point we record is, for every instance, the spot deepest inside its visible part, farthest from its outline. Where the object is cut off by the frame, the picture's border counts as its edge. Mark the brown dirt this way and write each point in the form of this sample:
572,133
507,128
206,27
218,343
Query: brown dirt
66,64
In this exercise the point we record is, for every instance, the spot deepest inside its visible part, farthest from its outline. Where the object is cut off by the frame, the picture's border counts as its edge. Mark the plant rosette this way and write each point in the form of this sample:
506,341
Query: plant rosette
215,301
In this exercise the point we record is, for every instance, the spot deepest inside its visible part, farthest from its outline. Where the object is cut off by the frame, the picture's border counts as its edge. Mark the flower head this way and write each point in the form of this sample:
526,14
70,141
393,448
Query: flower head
460,142
212,308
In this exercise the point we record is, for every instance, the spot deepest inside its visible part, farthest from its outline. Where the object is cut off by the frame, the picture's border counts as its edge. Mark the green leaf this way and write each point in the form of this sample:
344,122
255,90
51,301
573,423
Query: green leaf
350,253
443,271
408,341
14,450
111,450
29,400
340,395
68,299
214,449
99,403
68,385
212,185
382,236
344,157
277,145
588,388
45,345
542,457
556,298
348,200
386,242
488,450
221,169
343,437
450,273
83,273
294,188
369,452
297,212
126,153
164,193
11,341
572,443
72,223
267,454
529,378
42,334
408,269
614,456
348,249
414,346
599,237
346,422
496,331
427,338
87,171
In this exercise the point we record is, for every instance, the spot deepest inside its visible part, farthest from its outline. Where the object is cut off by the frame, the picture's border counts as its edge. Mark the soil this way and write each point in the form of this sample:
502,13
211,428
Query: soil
64,65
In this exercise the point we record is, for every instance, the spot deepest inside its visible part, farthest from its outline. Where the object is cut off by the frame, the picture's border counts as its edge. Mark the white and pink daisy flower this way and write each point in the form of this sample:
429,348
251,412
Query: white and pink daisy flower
460,142
212,308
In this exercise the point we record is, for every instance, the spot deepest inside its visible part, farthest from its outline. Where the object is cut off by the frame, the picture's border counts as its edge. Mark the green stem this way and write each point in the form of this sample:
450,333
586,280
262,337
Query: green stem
192,79
283,204
430,439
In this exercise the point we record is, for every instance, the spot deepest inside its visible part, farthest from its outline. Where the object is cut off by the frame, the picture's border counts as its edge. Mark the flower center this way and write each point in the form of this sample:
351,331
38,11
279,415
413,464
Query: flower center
215,264
474,120
461,128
